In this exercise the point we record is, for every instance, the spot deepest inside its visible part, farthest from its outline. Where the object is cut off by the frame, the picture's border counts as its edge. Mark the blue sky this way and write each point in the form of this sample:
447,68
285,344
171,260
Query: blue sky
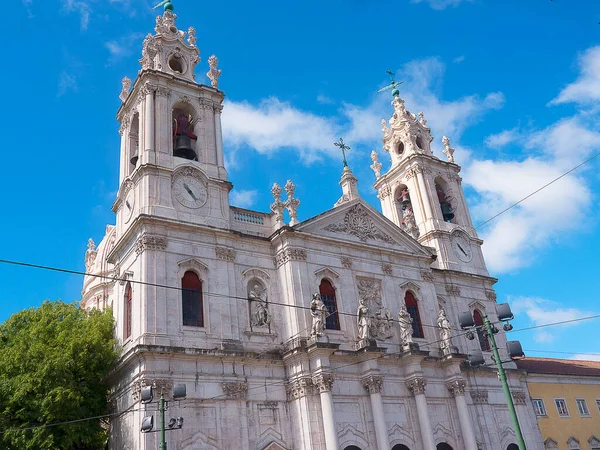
515,85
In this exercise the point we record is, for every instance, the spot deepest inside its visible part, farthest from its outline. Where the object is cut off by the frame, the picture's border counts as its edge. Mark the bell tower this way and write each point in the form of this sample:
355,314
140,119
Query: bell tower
171,163
423,194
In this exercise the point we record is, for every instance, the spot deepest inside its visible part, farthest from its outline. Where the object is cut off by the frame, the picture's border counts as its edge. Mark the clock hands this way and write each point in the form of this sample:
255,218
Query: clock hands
461,249
189,191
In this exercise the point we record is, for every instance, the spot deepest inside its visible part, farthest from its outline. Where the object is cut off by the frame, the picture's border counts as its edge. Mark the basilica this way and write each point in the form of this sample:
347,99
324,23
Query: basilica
335,332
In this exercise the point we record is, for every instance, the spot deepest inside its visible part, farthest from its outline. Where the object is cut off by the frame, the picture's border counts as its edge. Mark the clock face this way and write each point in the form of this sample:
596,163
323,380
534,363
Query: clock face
462,247
189,191
128,206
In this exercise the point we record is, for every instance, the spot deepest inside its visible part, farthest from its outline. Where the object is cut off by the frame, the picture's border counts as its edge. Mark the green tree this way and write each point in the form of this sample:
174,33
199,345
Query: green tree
54,361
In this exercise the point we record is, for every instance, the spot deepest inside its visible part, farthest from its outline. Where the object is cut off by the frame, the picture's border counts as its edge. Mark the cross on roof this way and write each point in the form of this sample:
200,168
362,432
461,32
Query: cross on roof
343,147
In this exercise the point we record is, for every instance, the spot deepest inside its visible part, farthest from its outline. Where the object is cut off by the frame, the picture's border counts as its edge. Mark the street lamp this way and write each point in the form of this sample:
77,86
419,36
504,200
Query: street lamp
179,392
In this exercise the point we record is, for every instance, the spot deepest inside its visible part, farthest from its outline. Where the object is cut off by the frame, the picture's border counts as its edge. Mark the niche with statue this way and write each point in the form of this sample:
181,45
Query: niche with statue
258,306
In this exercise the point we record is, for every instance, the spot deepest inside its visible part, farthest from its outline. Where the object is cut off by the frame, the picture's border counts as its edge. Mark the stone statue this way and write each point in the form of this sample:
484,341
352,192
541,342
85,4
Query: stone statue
445,333
384,128
125,86
362,320
291,204
382,327
409,222
260,316
213,74
192,36
448,151
277,206
421,117
90,254
406,330
376,166
319,314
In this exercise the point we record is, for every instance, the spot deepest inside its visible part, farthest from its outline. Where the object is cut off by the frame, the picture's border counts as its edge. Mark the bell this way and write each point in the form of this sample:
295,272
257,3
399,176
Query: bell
183,147
134,157
447,212
405,199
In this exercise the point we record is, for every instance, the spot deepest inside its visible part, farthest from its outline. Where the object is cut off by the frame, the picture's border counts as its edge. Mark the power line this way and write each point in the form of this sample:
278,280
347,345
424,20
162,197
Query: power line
562,353
538,190
555,323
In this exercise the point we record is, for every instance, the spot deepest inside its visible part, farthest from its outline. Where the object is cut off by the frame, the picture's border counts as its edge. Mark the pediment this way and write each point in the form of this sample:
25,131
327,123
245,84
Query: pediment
359,222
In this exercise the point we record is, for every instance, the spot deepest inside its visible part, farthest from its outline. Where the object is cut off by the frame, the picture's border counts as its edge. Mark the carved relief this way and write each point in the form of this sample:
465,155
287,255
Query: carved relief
387,269
490,295
456,387
235,390
452,289
416,385
519,398
427,275
298,388
323,381
479,396
369,291
358,223
150,242
290,254
346,262
158,385
373,383
224,253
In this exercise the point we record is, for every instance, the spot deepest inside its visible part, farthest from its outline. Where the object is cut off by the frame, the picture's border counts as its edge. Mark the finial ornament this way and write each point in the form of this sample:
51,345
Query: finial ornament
421,117
343,147
277,206
191,36
448,151
213,74
393,84
125,86
376,166
167,4
291,204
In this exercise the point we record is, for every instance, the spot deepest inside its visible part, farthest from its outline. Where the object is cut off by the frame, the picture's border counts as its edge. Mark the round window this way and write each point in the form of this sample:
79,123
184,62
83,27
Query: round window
176,64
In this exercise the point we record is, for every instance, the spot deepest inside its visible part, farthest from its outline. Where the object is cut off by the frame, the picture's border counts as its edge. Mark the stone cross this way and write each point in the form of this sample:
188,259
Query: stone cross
343,147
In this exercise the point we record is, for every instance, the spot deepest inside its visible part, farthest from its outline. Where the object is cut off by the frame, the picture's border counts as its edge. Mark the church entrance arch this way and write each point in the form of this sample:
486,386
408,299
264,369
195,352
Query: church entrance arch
443,446
400,447
352,447
512,447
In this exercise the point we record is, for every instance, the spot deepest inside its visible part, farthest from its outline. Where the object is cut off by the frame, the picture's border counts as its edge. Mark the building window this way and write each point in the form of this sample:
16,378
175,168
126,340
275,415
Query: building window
598,404
561,407
582,407
550,444
594,443
413,310
127,311
538,406
484,343
573,444
328,297
191,300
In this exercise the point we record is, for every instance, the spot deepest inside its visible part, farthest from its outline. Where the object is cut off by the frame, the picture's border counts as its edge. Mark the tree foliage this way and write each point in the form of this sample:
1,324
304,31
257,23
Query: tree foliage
53,364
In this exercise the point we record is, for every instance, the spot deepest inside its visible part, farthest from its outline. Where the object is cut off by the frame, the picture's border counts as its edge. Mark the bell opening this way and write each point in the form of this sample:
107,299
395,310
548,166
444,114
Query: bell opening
184,139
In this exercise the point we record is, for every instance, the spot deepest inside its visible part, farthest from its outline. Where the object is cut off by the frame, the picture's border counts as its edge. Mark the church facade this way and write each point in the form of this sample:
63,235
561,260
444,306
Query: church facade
331,333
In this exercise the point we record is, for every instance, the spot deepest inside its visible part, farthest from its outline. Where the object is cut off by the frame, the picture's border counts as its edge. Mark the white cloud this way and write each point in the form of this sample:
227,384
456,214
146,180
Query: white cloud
542,312
123,46
502,139
66,82
324,100
585,357
586,88
27,4
243,199
442,4
458,59
80,7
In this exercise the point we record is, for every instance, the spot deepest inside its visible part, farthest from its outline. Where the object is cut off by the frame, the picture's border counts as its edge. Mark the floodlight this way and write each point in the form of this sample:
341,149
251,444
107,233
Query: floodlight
179,422
514,349
179,391
172,422
504,312
475,359
470,335
147,424
146,393
507,326
465,319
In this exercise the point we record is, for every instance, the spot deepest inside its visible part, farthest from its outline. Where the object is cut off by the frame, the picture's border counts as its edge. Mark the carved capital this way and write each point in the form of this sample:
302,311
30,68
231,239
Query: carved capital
479,396
456,387
373,383
323,381
217,108
235,390
386,269
519,398
346,262
299,388
150,242
289,254
427,275
490,295
162,91
158,385
384,192
416,385
224,253
148,89
452,290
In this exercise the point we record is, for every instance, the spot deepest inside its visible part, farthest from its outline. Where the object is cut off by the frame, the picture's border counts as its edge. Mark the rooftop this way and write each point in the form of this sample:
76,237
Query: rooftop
560,366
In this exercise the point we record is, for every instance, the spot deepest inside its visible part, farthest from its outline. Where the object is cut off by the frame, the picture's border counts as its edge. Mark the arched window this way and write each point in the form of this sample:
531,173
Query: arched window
127,311
400,447
191,300
328,297
446,206
484,343
352,447
512,447
443,446
413,310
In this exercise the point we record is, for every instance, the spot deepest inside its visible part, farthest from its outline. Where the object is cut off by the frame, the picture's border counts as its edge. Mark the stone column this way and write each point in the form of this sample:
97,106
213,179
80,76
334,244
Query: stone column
457,388
218,136
417,387
424,193
324,382
373,385
149,119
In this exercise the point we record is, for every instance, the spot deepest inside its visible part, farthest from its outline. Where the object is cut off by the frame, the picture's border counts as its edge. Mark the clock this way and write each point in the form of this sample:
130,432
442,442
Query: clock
189,191
128,205
461,246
